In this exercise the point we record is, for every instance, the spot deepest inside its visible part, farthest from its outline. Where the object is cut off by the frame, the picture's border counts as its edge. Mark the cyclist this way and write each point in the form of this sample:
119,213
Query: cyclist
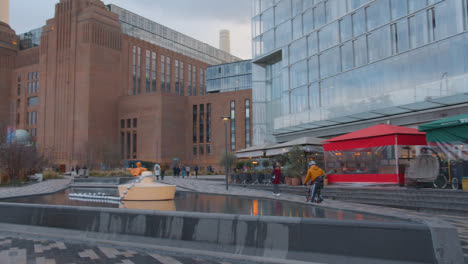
315,176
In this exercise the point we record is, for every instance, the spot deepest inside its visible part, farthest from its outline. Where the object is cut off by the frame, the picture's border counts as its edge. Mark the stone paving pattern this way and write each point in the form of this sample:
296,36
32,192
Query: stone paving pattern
27,250
16,248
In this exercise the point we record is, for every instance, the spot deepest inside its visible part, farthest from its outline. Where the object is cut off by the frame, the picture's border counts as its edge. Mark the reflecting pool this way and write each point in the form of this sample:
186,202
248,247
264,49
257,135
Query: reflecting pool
204,203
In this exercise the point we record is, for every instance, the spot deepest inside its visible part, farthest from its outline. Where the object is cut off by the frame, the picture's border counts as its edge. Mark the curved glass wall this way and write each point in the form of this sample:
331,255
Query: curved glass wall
357,56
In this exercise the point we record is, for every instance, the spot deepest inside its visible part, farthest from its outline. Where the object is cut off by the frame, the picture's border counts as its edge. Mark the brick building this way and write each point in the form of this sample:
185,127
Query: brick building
104,83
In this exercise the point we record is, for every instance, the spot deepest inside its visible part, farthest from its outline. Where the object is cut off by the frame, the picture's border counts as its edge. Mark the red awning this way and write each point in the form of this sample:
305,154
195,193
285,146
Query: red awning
376,136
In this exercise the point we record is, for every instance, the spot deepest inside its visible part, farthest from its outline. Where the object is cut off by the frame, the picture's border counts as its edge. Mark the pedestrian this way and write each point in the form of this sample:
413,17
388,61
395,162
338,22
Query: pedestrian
78,171
183,170
196,171
277,179
157,171
188,171
163,170
85,171
174,170
178,171
73,171
315,176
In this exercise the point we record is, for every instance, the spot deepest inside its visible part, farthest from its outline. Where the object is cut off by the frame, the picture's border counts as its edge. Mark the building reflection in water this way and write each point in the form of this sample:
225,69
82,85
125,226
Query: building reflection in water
205,203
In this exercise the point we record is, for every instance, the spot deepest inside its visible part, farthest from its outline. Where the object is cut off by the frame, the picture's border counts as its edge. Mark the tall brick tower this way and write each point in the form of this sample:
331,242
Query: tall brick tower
8,53
79,62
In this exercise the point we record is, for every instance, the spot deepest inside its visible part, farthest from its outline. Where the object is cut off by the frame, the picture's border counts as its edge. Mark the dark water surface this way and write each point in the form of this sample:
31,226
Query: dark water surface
204,203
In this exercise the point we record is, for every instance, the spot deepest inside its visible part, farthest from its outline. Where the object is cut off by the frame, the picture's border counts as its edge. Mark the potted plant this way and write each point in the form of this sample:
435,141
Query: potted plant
295,165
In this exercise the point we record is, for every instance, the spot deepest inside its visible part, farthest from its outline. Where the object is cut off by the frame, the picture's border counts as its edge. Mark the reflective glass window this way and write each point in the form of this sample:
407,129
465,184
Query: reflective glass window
298,50
308,21
334,9
255,7
353,4
285,75
296,6
448,19
264,4
268,41
399,9
346,30
283,34
267,20
298,73
377,14
330,62
359,23
402,36
312,43
256,29
282,11
418,30
297,27
319,15
285,103
415,5
347,56
360,51
328,36
379,44
314,96
313,69
306,4
299,102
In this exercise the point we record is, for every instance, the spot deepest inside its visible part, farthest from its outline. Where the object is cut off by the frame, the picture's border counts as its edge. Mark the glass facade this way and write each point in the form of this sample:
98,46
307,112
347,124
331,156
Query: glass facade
147,30
353,60
30,39
229,77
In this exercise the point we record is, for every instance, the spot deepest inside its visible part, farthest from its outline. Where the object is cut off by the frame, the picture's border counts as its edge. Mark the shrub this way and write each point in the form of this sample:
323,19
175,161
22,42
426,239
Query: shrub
50,174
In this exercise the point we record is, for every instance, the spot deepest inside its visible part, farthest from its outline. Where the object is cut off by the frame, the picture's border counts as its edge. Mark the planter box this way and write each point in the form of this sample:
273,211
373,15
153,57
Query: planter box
295,181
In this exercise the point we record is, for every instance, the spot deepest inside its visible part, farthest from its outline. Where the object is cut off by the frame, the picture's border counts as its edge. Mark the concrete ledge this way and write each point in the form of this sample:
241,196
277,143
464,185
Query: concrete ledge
281,237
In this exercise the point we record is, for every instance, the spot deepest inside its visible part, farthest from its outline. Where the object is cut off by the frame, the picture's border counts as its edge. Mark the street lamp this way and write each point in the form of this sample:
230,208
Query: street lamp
225,120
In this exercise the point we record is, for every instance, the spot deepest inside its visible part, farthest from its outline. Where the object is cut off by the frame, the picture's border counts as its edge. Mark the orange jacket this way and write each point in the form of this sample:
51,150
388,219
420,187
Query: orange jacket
313,173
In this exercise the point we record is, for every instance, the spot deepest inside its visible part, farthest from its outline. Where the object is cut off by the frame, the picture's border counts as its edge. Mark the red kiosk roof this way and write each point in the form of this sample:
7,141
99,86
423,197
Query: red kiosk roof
376,136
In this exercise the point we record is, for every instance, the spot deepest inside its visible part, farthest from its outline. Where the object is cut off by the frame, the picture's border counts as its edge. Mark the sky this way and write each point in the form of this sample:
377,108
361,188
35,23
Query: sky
200,19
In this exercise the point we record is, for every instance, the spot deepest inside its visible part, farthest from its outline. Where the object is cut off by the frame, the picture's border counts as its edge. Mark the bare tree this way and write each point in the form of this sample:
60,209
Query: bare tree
19,160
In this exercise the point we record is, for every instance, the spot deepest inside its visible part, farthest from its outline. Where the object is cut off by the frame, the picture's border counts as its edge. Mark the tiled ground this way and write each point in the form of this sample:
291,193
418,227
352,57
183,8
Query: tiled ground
19,250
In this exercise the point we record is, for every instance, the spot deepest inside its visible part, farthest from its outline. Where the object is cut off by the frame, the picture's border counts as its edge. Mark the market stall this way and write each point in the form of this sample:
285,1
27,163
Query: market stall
372,155
448,137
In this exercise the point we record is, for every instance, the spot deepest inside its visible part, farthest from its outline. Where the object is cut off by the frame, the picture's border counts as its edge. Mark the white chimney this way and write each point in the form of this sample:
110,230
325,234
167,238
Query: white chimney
225,40
5,11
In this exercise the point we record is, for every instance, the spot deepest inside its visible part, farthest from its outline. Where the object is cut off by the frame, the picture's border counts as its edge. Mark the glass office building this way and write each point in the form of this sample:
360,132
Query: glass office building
147,30
229,77
323,63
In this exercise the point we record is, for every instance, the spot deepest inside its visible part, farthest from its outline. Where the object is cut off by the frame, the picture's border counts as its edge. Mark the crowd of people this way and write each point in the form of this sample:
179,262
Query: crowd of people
177,170
79,171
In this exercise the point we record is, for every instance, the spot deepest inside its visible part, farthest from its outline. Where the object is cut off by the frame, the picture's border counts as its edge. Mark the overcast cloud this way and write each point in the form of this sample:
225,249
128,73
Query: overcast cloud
200,19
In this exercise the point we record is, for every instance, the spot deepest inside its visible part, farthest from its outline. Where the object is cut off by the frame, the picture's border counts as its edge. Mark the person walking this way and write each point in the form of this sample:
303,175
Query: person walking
163,170
183,171
277,179
174,170
315,176
188,171
157,171
178,171
78,172
196,171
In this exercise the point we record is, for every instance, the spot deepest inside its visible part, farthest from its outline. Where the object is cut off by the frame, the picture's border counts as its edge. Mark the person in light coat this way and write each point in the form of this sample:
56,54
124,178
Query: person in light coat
157,171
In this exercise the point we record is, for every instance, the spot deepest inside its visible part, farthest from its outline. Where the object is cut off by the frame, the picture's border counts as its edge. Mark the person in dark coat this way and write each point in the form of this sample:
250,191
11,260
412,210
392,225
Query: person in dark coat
196,171
174,170
277,179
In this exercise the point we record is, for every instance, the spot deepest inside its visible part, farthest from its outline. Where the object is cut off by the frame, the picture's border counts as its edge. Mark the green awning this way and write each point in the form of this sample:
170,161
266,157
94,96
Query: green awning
449,129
